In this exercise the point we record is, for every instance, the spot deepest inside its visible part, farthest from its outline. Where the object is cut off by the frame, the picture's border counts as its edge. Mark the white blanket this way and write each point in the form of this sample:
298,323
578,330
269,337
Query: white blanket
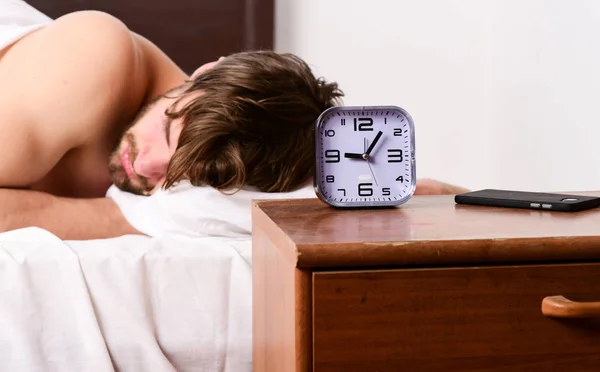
128,304
179,300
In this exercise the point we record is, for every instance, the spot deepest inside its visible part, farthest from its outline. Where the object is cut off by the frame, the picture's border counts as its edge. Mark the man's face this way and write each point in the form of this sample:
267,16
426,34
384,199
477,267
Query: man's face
138,164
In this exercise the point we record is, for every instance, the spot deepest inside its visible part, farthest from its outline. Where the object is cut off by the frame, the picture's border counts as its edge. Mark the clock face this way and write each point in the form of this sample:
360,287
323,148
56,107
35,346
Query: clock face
365,156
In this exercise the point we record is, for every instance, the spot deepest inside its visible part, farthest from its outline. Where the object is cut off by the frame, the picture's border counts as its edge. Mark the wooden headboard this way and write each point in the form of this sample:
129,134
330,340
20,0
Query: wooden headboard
191,32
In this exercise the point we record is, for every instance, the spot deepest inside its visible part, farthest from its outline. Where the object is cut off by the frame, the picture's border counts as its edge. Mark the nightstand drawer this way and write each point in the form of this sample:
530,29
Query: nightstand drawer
454,319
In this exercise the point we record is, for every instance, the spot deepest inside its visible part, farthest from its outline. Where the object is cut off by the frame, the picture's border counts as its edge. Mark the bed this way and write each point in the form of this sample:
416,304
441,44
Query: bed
176,300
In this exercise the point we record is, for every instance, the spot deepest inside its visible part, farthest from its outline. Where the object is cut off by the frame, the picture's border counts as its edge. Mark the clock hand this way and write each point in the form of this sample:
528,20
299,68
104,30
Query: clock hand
372,174
366,156
353,155
377,137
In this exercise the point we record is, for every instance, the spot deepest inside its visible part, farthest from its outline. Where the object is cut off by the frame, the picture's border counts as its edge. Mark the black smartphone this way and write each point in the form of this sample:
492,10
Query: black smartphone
528,200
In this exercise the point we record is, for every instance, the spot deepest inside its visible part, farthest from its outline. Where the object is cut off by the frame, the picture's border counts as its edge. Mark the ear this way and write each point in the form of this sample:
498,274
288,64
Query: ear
205,67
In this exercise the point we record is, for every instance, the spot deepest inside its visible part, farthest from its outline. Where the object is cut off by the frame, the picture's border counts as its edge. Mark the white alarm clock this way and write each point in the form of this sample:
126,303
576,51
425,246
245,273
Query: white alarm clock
365,156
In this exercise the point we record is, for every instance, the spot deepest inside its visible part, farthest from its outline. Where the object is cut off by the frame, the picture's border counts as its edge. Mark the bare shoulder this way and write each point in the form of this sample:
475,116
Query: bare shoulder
85,63
95,38
92,24
64,84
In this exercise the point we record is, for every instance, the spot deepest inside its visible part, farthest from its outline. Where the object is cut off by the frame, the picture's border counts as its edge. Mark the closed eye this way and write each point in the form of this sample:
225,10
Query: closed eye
167,127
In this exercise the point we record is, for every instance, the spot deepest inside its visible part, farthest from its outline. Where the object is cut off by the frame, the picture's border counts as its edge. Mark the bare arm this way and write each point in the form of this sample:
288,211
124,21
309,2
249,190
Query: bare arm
69,219
432,187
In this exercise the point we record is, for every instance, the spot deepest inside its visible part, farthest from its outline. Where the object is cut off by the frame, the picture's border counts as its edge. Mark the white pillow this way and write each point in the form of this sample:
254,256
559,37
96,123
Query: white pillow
196,211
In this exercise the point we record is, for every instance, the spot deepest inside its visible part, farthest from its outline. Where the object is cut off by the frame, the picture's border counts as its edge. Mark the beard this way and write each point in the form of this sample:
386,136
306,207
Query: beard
138,185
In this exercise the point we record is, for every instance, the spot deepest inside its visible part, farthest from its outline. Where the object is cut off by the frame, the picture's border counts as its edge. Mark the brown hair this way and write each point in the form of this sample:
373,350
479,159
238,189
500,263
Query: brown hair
252,123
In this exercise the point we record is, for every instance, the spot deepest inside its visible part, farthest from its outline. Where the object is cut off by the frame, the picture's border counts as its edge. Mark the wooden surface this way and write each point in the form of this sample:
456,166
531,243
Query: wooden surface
189,31
454,319
429,286
281,302
433,230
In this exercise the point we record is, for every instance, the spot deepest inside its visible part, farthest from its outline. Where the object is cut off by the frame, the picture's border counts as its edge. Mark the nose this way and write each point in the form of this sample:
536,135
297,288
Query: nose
151,166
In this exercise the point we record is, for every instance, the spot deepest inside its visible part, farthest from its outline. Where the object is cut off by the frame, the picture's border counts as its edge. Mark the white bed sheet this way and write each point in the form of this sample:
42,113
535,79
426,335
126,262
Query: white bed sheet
132,303
179,299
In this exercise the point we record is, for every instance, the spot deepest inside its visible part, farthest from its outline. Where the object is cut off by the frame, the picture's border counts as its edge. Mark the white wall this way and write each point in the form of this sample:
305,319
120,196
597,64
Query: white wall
504,93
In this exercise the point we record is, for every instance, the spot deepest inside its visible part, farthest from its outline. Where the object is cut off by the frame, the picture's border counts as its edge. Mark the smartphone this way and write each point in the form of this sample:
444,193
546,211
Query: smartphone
528,200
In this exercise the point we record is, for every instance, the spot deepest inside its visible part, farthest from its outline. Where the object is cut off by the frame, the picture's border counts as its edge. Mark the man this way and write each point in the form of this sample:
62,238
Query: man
83,89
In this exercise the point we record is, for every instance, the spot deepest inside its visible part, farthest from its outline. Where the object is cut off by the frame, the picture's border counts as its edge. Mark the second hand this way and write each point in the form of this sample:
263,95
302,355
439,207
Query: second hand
369,164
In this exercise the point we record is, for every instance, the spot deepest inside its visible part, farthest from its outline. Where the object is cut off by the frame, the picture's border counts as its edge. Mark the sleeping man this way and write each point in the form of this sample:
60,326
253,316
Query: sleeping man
86,103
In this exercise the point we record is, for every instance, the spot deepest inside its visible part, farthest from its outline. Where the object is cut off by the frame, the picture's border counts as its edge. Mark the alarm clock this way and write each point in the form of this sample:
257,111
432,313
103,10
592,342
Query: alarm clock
365,156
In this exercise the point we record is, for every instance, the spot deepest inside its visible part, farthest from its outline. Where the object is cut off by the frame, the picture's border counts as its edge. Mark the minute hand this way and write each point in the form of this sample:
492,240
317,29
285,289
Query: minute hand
377,137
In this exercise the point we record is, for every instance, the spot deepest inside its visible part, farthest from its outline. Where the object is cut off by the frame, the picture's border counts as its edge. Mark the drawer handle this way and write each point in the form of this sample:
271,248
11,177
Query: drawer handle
562,307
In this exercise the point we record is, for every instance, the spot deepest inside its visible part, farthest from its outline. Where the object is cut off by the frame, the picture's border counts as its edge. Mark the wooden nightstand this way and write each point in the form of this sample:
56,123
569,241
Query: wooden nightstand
429,286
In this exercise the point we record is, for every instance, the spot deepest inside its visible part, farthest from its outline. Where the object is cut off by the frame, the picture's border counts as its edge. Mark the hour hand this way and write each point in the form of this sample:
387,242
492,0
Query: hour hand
352,155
